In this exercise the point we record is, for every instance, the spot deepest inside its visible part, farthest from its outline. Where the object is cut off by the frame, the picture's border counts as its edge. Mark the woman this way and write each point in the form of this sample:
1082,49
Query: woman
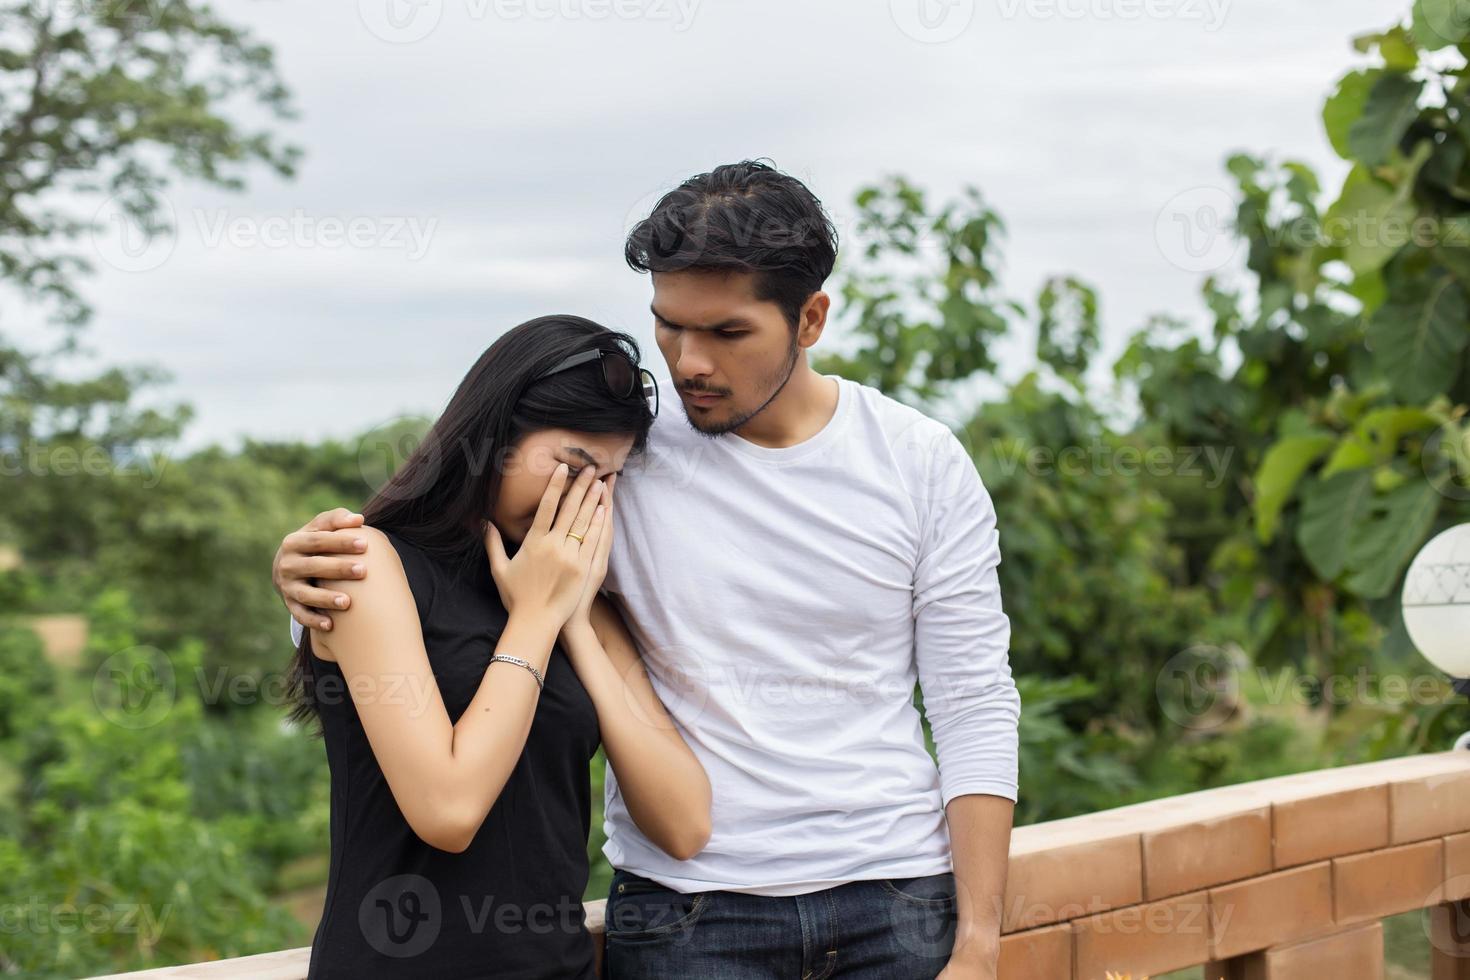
462,699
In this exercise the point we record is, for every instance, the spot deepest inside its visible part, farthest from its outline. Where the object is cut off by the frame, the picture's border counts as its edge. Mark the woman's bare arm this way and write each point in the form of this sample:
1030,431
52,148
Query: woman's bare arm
663,784
445,777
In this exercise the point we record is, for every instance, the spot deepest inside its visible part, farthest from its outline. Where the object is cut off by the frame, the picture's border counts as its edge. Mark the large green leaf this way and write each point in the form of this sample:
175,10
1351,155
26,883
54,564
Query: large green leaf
1345,108
1398,50
1441,23
1331,508
1280,471
1357,220
1418,335
1379,550
1392,104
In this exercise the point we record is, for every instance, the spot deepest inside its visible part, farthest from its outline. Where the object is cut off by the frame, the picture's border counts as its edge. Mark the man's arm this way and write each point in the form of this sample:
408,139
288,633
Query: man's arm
327,548
961,645
980,839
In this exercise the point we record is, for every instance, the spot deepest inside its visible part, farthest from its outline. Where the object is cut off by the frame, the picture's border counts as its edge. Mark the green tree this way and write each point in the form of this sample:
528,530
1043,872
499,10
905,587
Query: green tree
111,101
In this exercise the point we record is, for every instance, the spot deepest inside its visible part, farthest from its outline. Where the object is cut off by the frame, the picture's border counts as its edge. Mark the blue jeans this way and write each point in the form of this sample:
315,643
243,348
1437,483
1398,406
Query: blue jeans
894,929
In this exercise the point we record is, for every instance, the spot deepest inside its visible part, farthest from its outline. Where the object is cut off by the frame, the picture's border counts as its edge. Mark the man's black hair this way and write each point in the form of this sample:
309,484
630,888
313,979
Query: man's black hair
742,217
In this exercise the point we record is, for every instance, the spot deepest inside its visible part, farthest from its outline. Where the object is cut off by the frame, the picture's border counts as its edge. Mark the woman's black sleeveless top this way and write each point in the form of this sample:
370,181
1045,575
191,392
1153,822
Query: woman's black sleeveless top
509,906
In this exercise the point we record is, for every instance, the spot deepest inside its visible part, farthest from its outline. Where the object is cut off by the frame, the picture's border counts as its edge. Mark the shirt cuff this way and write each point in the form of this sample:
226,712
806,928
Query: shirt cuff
985,787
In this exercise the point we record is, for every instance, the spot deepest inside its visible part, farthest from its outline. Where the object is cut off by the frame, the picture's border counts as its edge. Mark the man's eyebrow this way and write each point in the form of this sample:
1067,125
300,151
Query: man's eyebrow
581,453
731,323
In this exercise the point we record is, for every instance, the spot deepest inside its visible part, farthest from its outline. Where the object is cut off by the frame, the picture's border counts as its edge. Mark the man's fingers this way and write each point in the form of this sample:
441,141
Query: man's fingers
315,598
331,520
323,569
571,506
346,542
546,511
309,618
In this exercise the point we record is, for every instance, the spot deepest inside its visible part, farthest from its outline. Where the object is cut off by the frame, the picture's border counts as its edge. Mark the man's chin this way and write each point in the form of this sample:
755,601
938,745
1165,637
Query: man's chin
711,423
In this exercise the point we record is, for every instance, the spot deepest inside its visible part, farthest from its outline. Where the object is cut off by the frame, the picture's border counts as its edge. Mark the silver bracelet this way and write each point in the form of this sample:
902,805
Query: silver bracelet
540,681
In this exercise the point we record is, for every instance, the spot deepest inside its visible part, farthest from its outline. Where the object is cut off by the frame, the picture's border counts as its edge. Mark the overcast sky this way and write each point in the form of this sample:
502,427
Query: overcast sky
487,156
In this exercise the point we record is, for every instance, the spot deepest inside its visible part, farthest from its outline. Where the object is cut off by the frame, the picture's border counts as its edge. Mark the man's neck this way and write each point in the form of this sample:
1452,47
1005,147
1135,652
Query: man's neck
805,405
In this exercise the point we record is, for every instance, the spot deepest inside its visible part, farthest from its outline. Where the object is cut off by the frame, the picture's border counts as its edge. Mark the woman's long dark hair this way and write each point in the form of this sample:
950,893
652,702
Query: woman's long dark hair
440,496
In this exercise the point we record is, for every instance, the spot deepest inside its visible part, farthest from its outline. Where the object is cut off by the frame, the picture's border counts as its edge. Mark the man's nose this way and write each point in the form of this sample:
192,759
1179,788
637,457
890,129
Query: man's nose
694,361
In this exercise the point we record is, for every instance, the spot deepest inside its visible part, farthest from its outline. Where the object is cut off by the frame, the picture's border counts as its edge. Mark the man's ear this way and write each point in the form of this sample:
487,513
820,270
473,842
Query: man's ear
812,319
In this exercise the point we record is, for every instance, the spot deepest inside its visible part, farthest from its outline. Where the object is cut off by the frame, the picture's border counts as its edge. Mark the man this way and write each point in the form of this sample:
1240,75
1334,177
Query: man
793,554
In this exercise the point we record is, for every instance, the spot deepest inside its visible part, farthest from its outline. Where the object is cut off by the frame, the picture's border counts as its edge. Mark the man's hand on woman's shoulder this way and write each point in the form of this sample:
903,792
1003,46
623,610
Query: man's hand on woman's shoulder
322,550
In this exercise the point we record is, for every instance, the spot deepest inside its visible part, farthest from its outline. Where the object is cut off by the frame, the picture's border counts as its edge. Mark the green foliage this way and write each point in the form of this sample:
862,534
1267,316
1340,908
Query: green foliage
1273,478
149,831
924,302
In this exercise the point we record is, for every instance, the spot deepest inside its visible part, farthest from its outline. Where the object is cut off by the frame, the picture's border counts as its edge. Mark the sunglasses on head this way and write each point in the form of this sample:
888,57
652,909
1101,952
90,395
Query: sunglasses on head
622,377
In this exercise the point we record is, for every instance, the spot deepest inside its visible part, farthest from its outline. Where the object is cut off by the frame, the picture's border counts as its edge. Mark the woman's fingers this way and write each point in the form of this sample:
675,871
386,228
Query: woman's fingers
495,548
597,529
604,543
583,521
546,511
571,507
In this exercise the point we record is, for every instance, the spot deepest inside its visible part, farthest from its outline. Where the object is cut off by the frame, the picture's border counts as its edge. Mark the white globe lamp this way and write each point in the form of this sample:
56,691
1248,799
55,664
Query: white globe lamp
1436,604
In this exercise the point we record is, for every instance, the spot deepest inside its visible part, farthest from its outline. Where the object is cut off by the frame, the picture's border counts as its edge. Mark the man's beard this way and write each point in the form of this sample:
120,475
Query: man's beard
777,381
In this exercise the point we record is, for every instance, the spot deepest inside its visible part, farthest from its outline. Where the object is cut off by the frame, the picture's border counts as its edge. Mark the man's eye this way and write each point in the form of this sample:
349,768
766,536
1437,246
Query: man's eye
730,334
